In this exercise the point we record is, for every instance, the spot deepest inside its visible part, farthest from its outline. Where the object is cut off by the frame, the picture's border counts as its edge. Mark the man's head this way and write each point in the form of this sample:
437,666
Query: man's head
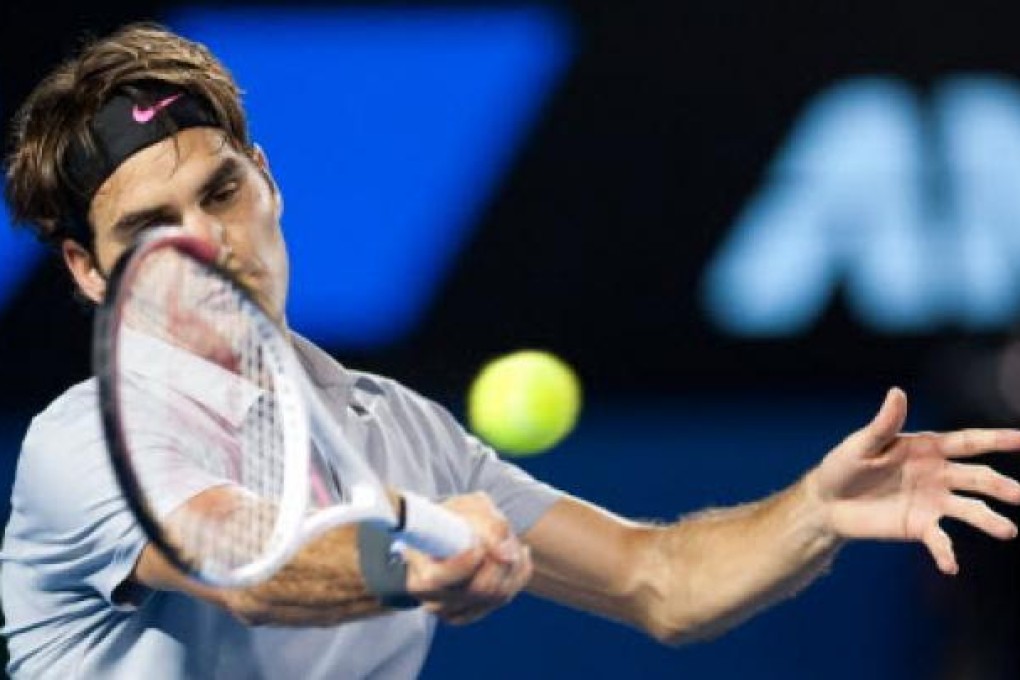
144,128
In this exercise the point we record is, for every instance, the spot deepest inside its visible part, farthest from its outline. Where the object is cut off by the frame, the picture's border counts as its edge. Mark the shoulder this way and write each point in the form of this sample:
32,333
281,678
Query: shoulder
388,402
367,385
63,450
366,391
71,417
372,392
74,402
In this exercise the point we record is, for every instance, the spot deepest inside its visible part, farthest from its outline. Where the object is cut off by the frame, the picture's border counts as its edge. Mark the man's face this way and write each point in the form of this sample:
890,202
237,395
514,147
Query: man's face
199,181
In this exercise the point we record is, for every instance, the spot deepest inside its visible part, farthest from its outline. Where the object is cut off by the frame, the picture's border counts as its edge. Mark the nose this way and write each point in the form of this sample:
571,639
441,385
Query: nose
206,227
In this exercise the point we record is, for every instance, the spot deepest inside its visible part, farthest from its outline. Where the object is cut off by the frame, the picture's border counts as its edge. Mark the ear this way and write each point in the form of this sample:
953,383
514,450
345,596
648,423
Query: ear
259,156
83,268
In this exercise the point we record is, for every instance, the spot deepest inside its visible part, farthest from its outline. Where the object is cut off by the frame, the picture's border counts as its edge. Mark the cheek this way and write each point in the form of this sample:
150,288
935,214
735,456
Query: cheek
270,235
268,241
257,219
281,275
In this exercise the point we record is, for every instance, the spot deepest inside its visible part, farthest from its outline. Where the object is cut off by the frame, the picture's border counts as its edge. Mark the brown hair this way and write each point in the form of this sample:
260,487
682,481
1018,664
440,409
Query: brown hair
57,114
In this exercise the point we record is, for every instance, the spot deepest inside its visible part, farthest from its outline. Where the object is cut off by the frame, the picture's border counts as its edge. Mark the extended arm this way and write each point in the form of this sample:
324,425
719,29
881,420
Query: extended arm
686,580
322,584
710,571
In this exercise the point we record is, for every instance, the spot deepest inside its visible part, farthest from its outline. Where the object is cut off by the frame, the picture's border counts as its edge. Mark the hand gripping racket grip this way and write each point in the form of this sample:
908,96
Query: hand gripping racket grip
433,529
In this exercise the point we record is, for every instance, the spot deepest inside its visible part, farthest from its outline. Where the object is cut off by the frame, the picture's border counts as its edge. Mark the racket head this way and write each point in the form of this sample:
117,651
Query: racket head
173,329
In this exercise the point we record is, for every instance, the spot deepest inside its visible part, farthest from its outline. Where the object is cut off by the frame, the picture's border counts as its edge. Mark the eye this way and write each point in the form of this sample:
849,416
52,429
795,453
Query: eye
224,194
131,230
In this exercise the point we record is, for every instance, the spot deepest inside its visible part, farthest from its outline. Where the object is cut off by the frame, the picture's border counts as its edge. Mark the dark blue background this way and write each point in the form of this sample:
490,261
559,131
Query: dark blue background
592,240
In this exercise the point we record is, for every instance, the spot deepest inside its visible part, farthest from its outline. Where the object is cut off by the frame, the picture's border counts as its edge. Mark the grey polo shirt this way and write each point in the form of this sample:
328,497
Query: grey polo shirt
71,541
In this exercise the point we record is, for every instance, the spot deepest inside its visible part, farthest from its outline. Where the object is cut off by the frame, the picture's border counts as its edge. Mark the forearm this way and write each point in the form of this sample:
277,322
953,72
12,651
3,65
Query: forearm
708,572
347,573
321,585
688,580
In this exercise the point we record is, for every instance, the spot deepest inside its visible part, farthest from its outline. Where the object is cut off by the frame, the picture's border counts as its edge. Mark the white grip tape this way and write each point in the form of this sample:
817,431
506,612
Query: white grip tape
433,529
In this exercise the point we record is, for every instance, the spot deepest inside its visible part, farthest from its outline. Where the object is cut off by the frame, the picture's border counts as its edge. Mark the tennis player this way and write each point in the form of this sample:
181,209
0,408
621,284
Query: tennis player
145,128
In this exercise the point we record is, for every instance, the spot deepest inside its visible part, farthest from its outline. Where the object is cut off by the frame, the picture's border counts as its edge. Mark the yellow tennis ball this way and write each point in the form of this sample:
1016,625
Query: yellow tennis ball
524,403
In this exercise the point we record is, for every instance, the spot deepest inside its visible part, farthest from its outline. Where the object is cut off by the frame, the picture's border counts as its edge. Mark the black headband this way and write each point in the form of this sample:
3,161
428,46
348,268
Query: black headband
129,122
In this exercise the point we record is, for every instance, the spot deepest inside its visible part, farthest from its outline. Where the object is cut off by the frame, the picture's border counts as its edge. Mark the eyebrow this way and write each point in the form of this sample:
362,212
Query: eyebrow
128,223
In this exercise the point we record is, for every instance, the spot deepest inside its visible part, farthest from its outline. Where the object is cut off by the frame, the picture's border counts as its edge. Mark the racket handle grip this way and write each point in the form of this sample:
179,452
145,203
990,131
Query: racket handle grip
433,529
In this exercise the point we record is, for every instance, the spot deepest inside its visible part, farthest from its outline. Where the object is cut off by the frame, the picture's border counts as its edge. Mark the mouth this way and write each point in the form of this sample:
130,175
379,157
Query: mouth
220,302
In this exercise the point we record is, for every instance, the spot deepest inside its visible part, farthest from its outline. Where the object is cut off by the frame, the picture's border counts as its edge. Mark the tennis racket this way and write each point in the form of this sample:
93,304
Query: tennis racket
225,454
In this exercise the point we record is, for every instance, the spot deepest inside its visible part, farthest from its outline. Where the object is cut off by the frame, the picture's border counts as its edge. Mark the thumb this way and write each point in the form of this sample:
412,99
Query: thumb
427,577
887,423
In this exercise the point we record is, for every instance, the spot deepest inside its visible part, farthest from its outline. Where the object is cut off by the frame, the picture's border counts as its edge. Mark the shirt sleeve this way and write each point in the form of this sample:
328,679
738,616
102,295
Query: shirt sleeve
74,511
69,520
521,497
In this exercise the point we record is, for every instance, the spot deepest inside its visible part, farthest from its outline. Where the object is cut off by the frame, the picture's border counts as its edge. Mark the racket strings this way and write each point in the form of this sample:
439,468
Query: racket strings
213,364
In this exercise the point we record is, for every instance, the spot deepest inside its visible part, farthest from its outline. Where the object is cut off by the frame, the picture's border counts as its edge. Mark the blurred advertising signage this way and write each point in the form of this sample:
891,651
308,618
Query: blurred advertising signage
388,130
908,206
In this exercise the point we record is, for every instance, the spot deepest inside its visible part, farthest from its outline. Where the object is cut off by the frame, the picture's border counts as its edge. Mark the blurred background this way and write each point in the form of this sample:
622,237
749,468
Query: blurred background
740,221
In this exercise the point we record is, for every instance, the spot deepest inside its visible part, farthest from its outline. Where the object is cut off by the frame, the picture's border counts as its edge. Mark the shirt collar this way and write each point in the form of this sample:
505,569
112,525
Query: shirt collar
324,371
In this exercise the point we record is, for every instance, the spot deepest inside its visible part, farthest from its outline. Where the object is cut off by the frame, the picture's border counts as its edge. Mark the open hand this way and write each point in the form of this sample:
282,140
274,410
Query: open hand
883,484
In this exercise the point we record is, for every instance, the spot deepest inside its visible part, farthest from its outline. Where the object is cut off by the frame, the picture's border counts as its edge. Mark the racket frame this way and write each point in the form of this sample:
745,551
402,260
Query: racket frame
291,528
431,528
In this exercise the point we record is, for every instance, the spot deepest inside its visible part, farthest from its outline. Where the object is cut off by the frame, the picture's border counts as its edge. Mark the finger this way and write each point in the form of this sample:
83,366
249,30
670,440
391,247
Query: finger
466,611
981,479
507,551
428,576
489,584
977,514
887,423
489,524
494,585
494,534
524,570
462,615
941,548
966,443
501,581
460,612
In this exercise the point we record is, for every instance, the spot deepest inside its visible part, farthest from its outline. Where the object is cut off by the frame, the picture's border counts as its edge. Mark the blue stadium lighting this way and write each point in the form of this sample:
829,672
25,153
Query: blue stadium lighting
388,130
20,252
909,207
